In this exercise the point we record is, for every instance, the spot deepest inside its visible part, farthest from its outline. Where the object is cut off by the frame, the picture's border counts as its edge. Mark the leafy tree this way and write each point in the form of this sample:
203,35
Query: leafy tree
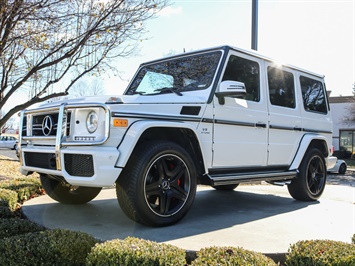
46,46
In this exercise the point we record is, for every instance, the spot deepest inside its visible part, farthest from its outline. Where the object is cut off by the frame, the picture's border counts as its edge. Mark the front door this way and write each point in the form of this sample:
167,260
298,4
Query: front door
241,125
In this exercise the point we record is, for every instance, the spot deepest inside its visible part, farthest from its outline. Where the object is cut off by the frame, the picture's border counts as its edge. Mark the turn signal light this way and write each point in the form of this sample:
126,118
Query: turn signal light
120,122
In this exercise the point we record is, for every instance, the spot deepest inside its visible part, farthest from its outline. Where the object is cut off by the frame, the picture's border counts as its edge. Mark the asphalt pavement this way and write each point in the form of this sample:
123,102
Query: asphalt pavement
261,218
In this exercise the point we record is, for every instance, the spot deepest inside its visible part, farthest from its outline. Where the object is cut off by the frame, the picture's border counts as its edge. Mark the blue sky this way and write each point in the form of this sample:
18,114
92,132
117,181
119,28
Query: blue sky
315,35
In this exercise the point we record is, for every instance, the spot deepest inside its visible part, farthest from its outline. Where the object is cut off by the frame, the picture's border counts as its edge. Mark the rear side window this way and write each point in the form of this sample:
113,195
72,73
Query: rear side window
281,87
313,95
246,71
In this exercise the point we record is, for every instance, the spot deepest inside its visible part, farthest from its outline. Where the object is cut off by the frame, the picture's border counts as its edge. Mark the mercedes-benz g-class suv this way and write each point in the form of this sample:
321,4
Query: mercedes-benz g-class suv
219,117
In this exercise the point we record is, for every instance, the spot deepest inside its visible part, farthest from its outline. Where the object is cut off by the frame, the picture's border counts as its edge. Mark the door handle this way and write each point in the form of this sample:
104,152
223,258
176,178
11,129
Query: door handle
260,125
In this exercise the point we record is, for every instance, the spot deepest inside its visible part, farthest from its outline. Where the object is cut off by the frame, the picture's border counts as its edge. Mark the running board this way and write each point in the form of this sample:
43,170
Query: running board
230,179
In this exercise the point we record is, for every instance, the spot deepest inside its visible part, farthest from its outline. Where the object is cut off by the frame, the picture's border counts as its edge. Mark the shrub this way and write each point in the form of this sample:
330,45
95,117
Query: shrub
25,187
134,251
353,239
5,212
321,252
8,198
12,227
230,256
50,247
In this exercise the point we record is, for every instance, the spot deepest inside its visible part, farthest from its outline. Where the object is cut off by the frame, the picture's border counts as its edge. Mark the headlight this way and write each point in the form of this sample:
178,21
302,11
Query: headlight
92,122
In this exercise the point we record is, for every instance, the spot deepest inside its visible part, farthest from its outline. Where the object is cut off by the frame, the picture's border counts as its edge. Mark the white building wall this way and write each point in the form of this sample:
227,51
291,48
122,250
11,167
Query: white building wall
340,113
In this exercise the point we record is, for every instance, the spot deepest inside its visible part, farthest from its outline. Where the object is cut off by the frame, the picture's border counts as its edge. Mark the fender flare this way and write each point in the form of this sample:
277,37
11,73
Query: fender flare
302,148
135,131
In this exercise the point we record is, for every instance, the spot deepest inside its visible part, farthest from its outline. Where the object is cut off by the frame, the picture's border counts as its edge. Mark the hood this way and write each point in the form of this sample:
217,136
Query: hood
169,98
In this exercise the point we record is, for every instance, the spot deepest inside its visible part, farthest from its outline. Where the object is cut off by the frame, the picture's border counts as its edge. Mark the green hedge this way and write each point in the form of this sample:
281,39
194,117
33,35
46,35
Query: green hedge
13,226
321,252
6,212
8,198
25,187
51,247
230,256
133,251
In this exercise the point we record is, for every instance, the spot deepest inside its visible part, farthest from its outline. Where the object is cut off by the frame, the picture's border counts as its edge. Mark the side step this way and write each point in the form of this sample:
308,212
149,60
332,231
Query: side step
230,179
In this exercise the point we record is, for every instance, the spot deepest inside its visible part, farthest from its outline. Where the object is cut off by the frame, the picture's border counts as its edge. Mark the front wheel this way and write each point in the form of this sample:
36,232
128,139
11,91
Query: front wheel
68,194
158,186
310,182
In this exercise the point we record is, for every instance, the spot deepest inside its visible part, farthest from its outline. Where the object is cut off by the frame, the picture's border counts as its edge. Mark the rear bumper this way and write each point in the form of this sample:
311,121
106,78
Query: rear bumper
331,161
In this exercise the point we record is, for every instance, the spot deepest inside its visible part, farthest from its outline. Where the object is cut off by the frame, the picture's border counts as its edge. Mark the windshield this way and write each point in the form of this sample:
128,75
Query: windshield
176,75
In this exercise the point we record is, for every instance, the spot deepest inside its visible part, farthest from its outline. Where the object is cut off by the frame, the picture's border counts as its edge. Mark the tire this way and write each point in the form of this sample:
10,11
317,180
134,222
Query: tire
158,185
310,182
226,187
342,169
68,194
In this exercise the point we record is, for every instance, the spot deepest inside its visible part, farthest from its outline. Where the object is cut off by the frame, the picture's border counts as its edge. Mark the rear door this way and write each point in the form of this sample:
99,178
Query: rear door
285,128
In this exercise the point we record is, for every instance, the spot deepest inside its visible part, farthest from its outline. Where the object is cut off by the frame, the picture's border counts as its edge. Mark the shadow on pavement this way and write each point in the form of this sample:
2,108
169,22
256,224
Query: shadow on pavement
212,211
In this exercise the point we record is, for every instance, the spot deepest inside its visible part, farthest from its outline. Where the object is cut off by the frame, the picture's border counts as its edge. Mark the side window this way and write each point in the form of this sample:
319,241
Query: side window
246,71
281,87
313,95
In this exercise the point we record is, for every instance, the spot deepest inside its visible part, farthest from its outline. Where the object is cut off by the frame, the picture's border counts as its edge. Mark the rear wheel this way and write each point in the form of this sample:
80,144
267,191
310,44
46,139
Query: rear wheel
158,185
342,168
68,194
310,182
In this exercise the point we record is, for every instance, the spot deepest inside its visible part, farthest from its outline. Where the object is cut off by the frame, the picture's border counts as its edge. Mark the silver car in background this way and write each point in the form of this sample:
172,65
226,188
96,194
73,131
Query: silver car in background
8,142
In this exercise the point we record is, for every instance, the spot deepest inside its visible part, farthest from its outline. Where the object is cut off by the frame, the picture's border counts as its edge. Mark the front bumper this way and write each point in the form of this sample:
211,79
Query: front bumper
68,150
84,166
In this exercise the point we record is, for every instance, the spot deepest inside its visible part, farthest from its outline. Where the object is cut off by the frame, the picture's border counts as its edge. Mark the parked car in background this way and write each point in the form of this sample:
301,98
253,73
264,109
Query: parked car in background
339,167
8,142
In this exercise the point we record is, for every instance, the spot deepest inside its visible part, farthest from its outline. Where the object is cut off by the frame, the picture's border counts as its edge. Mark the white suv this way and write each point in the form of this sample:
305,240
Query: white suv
220,116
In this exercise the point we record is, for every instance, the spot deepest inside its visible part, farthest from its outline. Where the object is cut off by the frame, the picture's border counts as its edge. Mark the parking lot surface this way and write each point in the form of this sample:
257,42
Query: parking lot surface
262,218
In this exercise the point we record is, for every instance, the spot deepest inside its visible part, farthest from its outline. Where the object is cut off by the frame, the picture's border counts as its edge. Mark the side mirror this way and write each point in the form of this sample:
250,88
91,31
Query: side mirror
230,88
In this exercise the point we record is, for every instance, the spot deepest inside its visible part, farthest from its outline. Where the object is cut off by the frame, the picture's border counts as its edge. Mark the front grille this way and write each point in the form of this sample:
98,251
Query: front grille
40,160
79,164
46,125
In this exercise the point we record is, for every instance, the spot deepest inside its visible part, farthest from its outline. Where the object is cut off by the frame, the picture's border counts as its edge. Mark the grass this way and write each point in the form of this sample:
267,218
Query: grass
10,169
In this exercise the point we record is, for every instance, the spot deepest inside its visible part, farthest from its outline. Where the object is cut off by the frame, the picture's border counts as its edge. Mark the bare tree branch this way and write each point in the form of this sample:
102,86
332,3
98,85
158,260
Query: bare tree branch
47,42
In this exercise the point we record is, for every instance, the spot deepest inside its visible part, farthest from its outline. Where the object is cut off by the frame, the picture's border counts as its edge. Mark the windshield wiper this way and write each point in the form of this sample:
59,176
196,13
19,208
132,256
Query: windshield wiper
172,89
139,92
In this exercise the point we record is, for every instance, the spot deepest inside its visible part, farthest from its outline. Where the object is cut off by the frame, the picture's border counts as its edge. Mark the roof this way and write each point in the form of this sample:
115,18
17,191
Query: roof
227,48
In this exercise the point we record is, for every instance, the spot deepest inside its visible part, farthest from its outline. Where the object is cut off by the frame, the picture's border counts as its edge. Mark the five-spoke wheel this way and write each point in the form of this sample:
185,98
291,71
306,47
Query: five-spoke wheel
310,182
158,185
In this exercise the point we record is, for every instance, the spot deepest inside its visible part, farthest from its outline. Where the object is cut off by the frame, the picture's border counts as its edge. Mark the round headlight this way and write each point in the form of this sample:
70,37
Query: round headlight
92,121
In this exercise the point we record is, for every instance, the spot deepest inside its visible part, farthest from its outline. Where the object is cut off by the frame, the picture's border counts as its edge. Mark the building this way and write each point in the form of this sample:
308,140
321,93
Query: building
343,110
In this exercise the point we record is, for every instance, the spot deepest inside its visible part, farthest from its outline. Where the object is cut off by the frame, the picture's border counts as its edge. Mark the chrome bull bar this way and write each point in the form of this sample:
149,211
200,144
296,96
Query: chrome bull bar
61,128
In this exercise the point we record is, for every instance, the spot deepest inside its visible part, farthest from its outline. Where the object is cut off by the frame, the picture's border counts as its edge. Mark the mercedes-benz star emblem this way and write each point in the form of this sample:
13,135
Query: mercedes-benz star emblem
47,125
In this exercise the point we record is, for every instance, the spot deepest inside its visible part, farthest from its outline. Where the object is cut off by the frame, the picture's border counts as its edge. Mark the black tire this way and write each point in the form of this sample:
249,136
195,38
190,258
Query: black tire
68,194
342,168
158,185
311,179
226,187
